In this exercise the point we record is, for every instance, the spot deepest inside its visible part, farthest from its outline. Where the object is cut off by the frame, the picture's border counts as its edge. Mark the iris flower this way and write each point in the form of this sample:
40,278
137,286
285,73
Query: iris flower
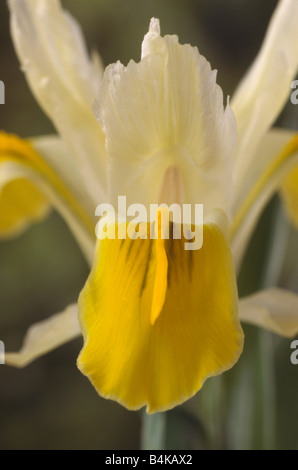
157,320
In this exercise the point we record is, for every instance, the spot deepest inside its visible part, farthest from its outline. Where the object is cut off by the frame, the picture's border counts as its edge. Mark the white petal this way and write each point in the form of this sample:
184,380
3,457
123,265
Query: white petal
264,90
64,81
56,153
274,309
167,111
45,336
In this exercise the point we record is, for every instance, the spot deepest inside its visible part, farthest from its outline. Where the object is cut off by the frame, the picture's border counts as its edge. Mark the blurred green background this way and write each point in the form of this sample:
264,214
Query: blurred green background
50,405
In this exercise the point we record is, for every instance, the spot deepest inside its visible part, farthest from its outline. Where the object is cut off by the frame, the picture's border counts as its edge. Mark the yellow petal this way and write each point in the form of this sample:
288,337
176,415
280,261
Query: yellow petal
20,201
273,309
196,334
27,182
20,204
289,194
45,336
161,266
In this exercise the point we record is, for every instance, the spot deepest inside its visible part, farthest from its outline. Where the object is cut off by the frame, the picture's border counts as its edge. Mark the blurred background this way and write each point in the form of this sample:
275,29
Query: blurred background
50,405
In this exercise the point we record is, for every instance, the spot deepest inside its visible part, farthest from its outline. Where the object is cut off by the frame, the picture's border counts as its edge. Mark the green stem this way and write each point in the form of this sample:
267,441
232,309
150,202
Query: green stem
153,433
267,379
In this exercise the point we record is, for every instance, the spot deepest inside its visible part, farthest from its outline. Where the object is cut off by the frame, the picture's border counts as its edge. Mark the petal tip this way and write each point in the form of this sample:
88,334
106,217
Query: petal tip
154,26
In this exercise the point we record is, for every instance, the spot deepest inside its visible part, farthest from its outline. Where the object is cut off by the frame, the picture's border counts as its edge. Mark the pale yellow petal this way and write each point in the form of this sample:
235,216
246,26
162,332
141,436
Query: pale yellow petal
167,112
64,81
277,158
273,309
265,89
46,336
58,156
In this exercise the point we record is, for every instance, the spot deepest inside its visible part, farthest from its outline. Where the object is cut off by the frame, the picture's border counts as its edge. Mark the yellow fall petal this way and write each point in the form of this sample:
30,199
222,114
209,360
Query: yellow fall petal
20,201
20,204
195,335
27,186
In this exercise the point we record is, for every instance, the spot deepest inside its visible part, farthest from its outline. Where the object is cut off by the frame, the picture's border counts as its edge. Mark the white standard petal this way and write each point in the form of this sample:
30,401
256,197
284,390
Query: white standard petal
273,309
45,336
165,116
264,90
53,55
